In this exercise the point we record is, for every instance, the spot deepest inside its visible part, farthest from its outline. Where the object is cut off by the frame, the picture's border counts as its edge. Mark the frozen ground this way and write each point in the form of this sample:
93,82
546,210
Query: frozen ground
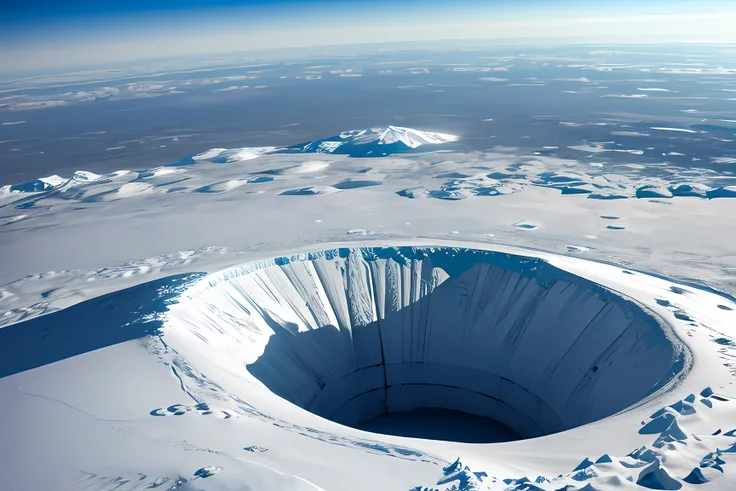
252,202
182,323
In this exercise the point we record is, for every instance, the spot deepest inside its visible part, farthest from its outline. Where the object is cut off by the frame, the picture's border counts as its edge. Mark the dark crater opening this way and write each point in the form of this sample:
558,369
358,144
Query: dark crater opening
440,424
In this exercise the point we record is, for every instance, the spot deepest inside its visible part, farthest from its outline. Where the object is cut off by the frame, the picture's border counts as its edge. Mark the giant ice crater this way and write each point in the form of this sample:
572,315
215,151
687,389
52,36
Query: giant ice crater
511,342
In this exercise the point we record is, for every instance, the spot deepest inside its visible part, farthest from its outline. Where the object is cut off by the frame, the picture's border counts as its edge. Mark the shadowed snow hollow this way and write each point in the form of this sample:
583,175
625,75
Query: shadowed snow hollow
352,334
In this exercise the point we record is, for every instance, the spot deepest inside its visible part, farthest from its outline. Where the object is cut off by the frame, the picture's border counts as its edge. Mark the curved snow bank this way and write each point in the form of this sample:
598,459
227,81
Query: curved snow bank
353,333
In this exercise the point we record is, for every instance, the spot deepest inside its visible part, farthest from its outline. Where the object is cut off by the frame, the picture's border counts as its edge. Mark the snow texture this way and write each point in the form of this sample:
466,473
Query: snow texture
596,359
260,363
456,176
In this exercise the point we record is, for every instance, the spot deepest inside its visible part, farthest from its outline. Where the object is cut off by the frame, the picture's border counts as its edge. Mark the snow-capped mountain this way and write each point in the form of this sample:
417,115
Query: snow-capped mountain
375,142
410,137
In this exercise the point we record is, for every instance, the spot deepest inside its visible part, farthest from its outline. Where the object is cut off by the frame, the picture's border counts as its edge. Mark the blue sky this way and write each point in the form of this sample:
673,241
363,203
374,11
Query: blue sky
65,11
43,10
38,34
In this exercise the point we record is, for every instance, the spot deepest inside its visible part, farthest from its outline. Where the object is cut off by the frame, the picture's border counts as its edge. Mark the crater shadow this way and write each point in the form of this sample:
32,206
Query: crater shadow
497,352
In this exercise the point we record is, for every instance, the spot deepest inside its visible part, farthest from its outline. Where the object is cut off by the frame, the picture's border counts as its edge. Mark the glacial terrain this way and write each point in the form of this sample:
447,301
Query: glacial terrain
395,302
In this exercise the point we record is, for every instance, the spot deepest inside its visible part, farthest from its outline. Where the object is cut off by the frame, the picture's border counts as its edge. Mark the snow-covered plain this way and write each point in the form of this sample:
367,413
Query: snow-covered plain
224,322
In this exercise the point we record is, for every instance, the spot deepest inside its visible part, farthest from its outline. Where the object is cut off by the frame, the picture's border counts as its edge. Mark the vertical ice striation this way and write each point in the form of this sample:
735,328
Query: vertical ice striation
350,334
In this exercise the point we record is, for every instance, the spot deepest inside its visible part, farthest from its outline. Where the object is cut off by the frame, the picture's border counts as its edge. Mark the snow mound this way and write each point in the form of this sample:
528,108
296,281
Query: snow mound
689,189
222,187
237,154
394,134
375,142
133,188
652,191
303,168
311,190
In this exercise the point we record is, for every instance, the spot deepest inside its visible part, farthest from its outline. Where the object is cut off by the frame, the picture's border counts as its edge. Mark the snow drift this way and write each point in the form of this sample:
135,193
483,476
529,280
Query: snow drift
350,334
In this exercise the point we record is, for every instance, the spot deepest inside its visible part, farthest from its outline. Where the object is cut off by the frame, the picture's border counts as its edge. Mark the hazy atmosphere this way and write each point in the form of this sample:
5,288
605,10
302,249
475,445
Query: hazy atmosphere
51,35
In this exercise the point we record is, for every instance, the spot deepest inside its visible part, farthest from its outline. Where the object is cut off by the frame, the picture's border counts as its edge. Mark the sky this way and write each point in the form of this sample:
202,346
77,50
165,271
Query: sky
47,35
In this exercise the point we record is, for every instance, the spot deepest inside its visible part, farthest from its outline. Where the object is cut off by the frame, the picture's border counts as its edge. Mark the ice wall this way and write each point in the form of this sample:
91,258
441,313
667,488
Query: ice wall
350,334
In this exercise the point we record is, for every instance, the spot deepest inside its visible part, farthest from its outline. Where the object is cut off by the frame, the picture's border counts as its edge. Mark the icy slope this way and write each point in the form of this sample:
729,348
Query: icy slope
350,334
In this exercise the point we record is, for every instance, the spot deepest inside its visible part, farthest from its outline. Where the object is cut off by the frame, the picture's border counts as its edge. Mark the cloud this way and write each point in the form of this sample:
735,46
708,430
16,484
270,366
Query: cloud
27,102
